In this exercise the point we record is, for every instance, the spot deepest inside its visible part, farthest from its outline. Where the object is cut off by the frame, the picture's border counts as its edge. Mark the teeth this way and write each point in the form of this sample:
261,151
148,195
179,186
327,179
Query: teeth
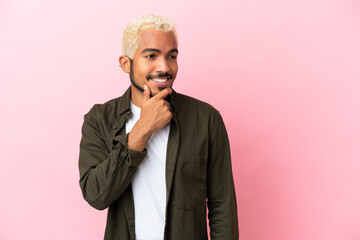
160,80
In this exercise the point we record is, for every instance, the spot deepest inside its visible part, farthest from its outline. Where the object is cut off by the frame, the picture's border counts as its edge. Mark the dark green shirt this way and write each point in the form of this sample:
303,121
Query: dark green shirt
198,168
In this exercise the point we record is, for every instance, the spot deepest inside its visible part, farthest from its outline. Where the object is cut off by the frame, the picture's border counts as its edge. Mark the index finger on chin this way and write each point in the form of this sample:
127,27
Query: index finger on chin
163,93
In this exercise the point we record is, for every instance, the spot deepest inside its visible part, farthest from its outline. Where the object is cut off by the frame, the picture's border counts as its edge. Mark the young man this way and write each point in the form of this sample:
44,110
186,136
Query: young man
153,156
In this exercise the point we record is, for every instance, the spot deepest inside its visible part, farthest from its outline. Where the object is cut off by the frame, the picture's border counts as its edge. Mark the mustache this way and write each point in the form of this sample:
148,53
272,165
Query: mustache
160,75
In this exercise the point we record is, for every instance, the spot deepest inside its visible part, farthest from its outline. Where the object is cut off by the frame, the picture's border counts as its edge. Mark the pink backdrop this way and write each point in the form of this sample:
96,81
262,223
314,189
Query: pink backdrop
284,74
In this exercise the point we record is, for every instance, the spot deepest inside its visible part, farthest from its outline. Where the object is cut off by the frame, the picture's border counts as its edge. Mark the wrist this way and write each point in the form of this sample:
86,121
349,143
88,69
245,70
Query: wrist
138,137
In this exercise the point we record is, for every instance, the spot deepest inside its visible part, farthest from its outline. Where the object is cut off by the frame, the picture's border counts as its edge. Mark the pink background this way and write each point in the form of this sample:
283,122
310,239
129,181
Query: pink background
284,74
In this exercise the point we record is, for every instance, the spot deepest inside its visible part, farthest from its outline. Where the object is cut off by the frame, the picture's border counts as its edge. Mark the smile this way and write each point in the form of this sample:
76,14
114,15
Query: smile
160,80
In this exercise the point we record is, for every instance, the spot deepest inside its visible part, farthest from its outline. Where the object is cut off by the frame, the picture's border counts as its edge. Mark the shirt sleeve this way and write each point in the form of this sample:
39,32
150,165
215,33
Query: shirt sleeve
221,196
104,173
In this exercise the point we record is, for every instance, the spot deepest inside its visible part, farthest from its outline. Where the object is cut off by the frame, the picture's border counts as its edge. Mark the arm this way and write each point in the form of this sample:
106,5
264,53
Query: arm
155,114
104,173
220,186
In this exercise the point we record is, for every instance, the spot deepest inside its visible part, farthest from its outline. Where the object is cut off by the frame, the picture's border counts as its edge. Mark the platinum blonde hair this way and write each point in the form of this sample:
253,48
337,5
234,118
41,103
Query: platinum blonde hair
130,40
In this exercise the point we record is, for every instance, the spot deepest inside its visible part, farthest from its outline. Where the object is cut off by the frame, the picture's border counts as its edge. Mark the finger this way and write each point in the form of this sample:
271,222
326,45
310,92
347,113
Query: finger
163,93
165,104
146,93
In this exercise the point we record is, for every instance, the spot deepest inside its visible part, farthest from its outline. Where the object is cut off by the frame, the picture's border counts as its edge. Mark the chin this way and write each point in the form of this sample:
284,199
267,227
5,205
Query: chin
155,91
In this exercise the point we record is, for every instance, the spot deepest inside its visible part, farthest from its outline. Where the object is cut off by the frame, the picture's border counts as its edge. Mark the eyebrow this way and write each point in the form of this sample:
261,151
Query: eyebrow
174,50
157,50
150,50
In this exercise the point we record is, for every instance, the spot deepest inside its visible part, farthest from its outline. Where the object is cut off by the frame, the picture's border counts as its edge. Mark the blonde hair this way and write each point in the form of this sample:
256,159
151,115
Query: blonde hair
130,40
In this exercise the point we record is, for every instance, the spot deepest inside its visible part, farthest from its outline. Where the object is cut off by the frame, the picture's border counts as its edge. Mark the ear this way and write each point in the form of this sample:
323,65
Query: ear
125,63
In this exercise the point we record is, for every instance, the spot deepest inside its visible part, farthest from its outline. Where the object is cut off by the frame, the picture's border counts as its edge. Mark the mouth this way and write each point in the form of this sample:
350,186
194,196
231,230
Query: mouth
161,80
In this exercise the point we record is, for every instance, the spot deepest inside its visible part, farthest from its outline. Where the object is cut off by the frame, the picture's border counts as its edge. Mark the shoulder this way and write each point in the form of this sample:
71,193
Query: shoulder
187,103
193,110
112,108
106,109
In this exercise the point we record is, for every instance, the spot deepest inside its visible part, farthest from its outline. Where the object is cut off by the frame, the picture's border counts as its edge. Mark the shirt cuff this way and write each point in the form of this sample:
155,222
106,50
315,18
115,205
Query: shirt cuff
134,158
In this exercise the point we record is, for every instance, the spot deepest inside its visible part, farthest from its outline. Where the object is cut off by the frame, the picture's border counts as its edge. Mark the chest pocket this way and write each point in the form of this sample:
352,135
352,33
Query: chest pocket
189,181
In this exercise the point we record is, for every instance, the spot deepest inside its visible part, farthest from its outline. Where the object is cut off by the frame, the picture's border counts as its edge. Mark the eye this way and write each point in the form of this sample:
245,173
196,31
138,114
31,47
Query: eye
172,57
151,56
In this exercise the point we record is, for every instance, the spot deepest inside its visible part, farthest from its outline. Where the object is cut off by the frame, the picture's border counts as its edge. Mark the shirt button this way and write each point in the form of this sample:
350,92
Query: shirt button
128,113
115,127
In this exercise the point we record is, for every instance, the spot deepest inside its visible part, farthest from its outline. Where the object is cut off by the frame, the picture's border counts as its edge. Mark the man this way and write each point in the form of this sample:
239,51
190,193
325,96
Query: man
153,156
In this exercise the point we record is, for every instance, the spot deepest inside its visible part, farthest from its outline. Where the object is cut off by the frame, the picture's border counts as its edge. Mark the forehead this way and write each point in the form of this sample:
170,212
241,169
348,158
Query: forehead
152,38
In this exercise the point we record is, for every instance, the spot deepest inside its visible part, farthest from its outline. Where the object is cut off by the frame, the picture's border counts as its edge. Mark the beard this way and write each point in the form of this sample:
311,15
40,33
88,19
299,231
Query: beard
148,77
137,86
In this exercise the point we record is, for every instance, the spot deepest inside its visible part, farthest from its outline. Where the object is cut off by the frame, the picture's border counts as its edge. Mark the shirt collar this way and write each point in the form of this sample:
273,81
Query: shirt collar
124,102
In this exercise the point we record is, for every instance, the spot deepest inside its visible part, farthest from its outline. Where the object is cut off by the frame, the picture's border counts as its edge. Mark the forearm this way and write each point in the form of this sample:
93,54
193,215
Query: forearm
138,136
106,165
102,184
223,220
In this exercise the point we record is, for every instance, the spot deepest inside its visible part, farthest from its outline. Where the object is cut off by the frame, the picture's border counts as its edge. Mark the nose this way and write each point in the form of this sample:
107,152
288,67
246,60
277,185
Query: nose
162,65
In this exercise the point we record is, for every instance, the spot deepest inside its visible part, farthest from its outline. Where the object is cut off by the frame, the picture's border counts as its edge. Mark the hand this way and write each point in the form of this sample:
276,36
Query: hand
155,114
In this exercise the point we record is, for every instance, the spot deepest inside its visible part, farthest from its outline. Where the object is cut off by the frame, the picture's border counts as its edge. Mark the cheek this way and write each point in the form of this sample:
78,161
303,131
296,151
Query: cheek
174,66
144,68
140,71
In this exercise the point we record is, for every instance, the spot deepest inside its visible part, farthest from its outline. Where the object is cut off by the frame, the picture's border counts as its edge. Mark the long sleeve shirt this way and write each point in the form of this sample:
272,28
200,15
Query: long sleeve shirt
198,170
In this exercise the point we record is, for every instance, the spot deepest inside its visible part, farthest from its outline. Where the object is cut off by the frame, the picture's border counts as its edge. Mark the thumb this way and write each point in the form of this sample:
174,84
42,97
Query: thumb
146,93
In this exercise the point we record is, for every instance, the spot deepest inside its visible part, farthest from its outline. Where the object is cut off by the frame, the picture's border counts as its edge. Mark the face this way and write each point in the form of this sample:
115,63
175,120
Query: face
154,62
